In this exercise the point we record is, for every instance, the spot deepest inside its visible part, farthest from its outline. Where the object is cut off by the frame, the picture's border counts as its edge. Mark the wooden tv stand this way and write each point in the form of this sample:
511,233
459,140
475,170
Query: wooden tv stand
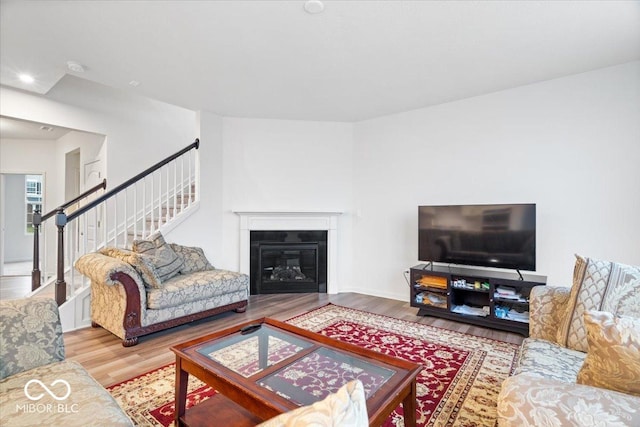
493,299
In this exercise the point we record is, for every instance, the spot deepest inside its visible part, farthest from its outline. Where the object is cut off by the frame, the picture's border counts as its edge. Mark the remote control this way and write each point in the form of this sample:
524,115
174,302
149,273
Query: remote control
250,328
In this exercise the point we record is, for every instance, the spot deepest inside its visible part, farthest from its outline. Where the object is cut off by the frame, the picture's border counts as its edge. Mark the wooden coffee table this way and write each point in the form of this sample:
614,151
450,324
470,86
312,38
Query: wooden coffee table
265,367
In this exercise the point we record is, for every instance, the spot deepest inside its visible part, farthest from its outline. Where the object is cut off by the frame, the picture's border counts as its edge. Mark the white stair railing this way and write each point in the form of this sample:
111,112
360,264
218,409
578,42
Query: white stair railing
133,210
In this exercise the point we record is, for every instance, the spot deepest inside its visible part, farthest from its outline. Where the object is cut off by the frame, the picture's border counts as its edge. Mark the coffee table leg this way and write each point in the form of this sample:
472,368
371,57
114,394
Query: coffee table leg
182,379
409,407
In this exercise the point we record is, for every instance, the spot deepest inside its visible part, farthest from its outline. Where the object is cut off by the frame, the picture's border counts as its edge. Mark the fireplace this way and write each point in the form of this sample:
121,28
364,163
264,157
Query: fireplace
288,261
260,220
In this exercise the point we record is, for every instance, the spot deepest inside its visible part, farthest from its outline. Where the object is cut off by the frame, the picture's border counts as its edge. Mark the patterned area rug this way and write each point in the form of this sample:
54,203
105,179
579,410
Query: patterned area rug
457,387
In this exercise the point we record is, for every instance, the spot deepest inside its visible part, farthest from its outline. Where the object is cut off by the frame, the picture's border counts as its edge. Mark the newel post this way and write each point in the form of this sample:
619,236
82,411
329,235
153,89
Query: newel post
35,273
61,285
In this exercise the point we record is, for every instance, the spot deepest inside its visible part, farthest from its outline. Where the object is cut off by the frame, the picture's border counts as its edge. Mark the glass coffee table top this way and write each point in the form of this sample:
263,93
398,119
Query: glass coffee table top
265,367
250,353
307,378
322,372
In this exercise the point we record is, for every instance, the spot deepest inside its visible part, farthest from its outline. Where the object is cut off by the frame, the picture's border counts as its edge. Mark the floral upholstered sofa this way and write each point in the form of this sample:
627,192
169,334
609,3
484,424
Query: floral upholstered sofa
157,286
37,385
580,365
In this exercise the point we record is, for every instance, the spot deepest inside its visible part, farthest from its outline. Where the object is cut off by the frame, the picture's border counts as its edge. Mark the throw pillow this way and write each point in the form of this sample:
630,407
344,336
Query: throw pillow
143,265
613,359
31,337
165,260
345,407
193,257
150,243
602,286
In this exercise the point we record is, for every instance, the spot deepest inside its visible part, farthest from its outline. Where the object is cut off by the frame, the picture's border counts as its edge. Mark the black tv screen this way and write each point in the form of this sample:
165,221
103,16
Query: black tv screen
502,236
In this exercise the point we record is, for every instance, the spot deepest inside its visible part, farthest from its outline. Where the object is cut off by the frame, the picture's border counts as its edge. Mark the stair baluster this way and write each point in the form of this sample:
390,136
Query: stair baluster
112,216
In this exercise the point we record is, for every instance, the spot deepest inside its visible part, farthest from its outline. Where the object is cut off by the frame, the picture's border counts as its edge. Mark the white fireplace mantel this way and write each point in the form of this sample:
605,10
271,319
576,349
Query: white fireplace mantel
292,220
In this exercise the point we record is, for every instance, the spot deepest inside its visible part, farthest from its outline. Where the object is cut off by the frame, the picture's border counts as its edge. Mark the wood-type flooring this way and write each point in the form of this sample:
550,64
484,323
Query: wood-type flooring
103,355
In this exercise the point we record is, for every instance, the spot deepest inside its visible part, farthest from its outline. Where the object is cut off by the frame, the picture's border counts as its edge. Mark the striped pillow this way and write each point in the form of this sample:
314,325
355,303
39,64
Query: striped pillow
602,286
167,263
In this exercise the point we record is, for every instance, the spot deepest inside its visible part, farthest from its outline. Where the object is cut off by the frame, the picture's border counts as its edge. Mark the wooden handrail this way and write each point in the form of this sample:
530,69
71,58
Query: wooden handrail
64,206
129,182
61,220
37,220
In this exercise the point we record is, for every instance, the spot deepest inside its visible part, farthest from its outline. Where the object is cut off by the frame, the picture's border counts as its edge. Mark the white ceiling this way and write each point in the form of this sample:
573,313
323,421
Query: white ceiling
356,60
22,129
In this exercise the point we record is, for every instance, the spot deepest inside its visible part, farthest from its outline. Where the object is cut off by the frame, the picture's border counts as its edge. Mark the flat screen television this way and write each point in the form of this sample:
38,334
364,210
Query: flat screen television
502,236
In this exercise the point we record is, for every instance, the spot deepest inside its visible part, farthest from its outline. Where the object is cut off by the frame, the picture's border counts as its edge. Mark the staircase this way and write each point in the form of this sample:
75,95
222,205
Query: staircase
157,199
170,213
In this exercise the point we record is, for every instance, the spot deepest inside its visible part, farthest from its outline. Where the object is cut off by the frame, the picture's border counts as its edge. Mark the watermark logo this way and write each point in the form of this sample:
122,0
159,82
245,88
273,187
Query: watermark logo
47,389
35,390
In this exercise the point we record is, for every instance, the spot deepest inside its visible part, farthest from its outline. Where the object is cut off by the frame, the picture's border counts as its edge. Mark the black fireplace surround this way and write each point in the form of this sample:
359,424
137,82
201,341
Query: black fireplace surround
288,262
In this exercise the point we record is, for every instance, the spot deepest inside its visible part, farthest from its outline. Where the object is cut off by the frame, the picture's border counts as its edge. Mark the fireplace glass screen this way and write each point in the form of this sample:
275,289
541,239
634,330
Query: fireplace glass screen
288,262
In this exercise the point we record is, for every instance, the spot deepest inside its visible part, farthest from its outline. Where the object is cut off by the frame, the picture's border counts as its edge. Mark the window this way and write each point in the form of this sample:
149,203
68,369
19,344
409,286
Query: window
33,198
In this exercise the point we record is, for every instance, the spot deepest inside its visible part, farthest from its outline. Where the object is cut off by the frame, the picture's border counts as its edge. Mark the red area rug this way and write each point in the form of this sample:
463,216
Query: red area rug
457,387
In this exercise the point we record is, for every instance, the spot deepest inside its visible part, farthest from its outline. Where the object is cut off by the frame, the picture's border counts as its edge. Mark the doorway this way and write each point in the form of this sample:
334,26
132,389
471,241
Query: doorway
38,149
22,196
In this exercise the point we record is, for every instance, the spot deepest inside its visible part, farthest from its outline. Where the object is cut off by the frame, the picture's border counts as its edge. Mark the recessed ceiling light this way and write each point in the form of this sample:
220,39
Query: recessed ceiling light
134,83
313,6
74,66
26,78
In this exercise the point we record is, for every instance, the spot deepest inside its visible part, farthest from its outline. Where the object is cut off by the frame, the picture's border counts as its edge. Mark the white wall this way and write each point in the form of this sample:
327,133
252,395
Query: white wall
27,156
24,156
571,145
90,146
280,165
20,245
48,157
205,227
253,164
45,157
139,131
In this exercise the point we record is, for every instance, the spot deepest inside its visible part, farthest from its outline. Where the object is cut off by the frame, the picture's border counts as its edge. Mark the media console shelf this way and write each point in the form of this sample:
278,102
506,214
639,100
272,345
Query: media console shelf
494,299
